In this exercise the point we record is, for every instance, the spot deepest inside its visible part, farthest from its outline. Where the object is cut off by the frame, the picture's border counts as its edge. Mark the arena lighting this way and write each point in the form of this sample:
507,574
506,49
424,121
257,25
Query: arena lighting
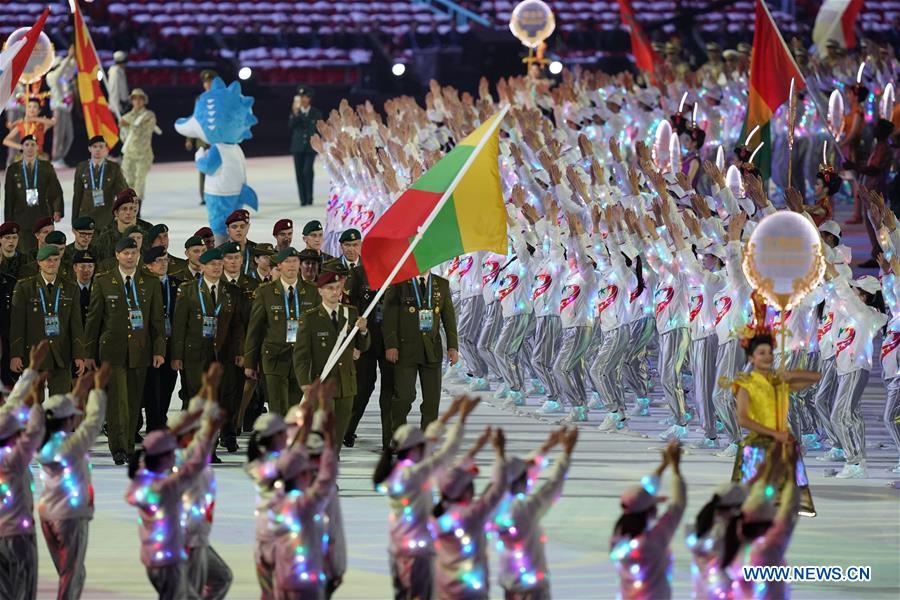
245,73
398,69
555,67
100,75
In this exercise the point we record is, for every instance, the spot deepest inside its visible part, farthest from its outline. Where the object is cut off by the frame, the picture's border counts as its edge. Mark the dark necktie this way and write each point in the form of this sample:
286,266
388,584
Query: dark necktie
50,289
212,292
291,300
334,319
422,289
267,278
127,286
85,297
197,275
165,296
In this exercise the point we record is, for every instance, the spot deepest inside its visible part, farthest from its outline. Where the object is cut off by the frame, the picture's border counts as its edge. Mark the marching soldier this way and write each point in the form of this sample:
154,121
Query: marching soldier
32,192
302,123
208,330
134,232
46,307
238,224
41,229
98,182
414,310
283,232
55,239
272,331
124,212
12,259
313,235
206,235
125,327
262,260
351,244
310,265
194,247
321,331
83,265
158,235
82,237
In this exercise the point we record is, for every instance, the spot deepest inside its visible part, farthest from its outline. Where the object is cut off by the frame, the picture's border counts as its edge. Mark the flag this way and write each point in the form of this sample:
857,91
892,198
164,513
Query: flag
771,69
97,117
644,56
836,21
458,202
15,57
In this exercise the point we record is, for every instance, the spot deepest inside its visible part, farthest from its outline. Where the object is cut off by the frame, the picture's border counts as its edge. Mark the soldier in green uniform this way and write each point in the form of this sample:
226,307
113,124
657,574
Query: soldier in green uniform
413,312
272,330
206,330
238,224
11,258
302,123
283,232
98,182
83,237
207,236
313,236
351,244
32,192
124,213
262,257
46,307
310,265
158,235
193,250
41,229
125,328
7,285
134,232
244,287
55,239
320,333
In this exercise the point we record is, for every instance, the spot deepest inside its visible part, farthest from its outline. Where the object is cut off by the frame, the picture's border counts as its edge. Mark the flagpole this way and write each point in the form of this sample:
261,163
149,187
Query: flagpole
333,358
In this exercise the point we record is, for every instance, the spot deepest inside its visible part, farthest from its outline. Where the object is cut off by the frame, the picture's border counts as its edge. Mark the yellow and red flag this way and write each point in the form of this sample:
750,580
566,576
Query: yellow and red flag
98,118
645,57
771,70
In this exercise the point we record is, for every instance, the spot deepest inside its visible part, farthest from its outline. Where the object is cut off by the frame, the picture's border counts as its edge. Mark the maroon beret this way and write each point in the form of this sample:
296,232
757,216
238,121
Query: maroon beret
281,225
327,277
238,215
204,232
124,197
9,228
41,223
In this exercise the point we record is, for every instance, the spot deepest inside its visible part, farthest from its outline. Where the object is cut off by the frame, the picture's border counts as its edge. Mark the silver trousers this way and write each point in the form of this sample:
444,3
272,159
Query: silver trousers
800,412
730,359
703,366
892,410
846,415
606,367
170,582
547,338
63,133
207,573
18,567
67,542
824,401
569,364
526,356
490,331
471,315
673,349
508,348
636,372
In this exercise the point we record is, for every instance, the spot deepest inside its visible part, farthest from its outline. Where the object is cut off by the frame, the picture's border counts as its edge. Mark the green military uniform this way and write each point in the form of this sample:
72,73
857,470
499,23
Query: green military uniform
20,178
316,338
111,334
70,250
107,178
32,269
302,126
13,265
267,346
105,244
53,313
197,351
420,352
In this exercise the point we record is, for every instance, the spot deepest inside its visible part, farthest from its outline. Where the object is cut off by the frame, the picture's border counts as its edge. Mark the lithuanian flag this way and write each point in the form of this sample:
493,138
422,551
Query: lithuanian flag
98,119
456,207
771,69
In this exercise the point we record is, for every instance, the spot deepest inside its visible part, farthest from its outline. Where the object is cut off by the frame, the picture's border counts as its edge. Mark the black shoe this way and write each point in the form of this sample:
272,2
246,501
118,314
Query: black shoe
215,460
869,264
138,439
231,445
120,458
350,440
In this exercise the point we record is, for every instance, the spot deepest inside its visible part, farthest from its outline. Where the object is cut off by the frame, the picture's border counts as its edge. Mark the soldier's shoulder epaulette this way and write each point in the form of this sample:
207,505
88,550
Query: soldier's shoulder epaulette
309,311
26,280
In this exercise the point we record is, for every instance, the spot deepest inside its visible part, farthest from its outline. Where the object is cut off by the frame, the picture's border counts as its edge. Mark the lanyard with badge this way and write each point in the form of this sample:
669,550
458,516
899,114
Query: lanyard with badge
31,193
292,324
135,315
426,315
97,192
210,323
51,321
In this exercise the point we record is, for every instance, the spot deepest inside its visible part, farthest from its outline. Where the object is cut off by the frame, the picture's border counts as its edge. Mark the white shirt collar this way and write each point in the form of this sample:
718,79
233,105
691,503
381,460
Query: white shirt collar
124,275
209,283
286,285
47,282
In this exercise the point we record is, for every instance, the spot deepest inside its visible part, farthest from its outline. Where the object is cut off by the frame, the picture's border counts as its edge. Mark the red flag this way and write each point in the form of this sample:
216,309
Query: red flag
644,56
836,21
15,57
97,117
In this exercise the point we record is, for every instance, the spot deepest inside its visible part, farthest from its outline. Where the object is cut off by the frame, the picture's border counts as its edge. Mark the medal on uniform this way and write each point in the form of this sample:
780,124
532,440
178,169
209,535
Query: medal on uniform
51,321
412,310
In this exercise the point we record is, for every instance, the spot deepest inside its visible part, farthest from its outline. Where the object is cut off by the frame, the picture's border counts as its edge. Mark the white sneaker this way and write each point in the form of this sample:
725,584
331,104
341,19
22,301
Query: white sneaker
503,392
706,444
595,403
550,407
515,399
729,451
853,472
833,455
641,408
577,415
479,384
675,432
610,422
622,428
537,389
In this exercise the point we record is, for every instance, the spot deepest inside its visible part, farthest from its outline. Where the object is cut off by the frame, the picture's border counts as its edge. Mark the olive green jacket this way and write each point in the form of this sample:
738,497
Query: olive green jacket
187,328
401,322
315,341
83,198
27,328
266,344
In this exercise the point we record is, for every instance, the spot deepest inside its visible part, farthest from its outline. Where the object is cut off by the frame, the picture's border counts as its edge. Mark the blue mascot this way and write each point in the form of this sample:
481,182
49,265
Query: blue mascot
222,118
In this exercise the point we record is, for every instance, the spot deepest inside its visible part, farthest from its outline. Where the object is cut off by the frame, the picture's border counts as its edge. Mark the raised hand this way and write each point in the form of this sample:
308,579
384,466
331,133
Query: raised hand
38,354
468,405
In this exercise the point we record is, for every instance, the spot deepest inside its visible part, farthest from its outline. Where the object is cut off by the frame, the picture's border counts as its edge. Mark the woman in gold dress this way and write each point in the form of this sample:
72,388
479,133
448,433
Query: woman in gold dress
762,404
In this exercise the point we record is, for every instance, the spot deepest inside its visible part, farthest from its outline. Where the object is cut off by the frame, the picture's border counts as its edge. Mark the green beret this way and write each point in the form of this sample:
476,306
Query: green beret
55,237
47,251
83,224
350,235
213,254
312,226
156,230
286,253
230,248
193,241
126,243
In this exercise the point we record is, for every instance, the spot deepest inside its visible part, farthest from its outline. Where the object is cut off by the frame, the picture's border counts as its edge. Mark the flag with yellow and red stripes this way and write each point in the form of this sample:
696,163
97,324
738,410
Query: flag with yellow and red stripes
98,118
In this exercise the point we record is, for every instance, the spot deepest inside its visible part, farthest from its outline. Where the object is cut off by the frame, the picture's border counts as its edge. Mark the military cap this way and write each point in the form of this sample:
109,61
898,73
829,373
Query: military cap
55,237
83,257
126,196
263,250
312,226
204,232
350,235
238,215
126,243
151,254
309,254
193,241
47,251
210,255
156,230
9,228
139,92
327,277
281,225
230,248
84,224
134,229
304,91
41,223
286,253
97,139
336,266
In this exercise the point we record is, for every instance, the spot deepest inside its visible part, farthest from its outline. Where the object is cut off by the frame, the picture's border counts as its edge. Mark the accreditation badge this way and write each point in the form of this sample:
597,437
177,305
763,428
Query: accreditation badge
426,320
51,325
291,331
97,196
210,326
136,318
31,196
